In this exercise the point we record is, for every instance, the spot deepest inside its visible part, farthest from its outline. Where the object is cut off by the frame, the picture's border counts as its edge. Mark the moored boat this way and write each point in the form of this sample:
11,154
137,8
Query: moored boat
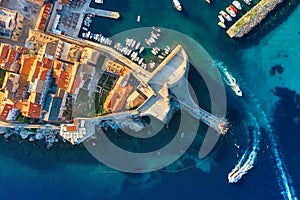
156,29
248,2
137,45
230,11
148,42
161,57
177,5
88,34
234,9
221,18
237,4
221,24
225,15
141,49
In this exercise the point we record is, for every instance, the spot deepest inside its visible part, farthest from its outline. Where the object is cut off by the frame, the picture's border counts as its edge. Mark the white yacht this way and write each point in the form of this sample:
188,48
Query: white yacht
221,18
177,5
237,4
230,80
225,15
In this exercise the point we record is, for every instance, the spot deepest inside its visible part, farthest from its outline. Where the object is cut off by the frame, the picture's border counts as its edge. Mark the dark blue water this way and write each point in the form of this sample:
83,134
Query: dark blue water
30,171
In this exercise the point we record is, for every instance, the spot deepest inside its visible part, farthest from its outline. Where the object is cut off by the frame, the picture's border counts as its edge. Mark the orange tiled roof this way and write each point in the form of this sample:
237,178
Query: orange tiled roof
31,110
27,65
75,85
5,110
47,63
4,52
11,55
71,128
64,1
36,72
18,105
43,74
43,17
63,80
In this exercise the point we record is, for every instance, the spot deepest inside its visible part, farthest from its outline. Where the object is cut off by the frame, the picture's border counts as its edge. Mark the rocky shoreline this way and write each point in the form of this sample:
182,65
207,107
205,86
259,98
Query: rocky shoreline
49,135
245,24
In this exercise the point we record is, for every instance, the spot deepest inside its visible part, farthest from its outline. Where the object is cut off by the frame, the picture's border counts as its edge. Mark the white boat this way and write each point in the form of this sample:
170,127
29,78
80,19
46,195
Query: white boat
242,168
154,52
99,1
248,2
221,24
177,5
225,15
84,28
148,42
230,80
141,49
236,174
152,40
161,57
133,44
154,35
230,11
156,29
88,34
138,19
129,42
126,41
208,1
96,37
221,18
237,4
140,61
137,45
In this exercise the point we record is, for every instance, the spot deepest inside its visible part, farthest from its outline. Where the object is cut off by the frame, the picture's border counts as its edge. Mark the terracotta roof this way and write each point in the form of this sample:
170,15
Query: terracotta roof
75,84
43,74
63,80
47,63
27,65
11,55
4,52
31,110
43,17
5,110
36,72
18,105
71,128
64,1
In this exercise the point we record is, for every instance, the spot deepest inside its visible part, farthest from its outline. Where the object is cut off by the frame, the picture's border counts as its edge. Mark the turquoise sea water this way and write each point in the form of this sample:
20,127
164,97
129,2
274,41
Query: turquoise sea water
31,171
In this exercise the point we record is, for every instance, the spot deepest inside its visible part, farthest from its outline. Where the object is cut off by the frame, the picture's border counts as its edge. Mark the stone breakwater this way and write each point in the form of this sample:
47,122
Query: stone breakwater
252,18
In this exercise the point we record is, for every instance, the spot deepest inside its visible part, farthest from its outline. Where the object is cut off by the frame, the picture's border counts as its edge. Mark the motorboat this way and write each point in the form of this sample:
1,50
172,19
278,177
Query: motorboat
226,16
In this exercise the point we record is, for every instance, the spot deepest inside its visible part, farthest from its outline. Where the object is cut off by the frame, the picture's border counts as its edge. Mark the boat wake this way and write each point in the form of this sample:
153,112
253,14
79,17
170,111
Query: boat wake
259,120
228,78
283,178
246,162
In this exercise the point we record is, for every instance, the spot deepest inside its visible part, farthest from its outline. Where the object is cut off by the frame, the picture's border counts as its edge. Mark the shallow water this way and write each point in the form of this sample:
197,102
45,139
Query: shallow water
71,172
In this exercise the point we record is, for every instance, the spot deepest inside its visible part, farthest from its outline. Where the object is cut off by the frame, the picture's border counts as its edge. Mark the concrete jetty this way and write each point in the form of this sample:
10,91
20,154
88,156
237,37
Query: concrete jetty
103,13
